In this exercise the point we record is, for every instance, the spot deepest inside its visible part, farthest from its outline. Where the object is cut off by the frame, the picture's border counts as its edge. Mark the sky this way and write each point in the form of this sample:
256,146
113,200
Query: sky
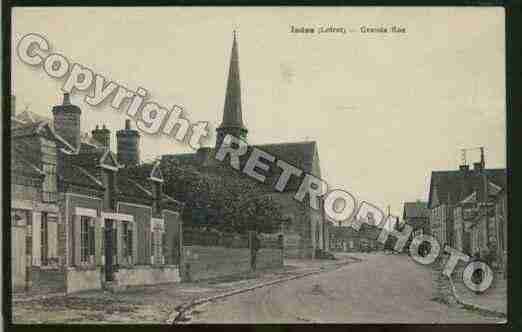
385,109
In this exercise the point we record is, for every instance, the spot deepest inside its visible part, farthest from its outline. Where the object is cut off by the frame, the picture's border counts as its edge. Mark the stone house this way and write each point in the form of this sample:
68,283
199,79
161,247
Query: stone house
80,220
306,229
457,204
501,223
477,223
347,239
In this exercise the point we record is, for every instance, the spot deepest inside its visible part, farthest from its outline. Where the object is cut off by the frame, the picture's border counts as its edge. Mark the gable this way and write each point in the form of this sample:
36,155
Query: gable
109,161
155,174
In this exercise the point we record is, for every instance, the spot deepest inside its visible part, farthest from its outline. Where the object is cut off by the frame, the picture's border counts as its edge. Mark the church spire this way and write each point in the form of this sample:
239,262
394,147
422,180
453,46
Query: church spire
232,113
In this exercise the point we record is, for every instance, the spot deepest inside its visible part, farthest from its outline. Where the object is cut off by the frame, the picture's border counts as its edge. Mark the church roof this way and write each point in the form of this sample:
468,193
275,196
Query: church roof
232,113
299,154
303,155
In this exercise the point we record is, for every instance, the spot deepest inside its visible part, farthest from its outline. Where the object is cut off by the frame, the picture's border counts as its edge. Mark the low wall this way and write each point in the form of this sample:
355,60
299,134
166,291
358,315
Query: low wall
147,275
269,258
47,280
80,280
202,262
292,244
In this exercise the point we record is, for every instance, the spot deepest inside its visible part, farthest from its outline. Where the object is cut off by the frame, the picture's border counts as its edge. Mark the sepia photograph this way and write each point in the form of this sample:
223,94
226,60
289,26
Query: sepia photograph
257,165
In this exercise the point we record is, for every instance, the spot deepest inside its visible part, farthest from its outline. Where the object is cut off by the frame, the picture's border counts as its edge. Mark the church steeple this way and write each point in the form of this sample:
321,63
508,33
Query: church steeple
232,114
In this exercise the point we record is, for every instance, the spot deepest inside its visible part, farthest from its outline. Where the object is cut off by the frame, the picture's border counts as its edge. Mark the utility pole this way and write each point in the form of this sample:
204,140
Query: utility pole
486,192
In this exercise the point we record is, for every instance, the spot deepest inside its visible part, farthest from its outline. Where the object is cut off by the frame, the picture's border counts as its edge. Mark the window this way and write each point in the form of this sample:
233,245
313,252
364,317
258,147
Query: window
156,245
86,239
44,246
163,244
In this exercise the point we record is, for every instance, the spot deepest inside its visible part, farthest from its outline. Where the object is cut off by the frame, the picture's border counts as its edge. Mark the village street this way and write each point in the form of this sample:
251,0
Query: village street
380,289
356,288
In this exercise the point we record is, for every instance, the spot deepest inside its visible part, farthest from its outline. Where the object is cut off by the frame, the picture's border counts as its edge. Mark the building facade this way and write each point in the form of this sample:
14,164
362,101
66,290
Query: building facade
467,210
79,220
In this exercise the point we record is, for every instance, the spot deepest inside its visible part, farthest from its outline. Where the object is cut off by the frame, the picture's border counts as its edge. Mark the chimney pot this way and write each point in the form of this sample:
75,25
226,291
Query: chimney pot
464,167
127,124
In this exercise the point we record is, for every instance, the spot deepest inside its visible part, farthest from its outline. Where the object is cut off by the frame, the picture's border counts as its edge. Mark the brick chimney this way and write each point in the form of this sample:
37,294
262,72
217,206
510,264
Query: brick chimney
67,119
128,145
103,136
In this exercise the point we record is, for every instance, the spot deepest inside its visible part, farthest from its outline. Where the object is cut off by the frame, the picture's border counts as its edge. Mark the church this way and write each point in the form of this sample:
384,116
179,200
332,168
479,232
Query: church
305,230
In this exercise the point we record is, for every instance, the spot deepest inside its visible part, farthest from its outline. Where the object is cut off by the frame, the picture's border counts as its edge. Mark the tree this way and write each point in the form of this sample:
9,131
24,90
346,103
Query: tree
221,199
261,214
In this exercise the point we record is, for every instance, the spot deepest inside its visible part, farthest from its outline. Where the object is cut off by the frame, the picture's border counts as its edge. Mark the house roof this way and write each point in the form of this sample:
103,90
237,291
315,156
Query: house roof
137,180
415,210
30,123
20,165
82,166
78,175
450,187
493,190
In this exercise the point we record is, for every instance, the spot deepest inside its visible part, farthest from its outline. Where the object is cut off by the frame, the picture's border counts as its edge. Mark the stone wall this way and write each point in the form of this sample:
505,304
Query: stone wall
269,258
47,280
201,262
299,234
147,275
80,280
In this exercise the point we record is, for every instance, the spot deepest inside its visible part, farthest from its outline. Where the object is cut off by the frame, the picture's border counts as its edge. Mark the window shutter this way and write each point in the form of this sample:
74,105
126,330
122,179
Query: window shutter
98,237
91,237
135,243
163,248
115,243
37,224
130,244
76,239
119,241
152,246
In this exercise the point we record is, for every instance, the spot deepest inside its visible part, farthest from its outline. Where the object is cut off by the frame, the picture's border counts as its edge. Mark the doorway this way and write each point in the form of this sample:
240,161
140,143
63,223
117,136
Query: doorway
110,249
